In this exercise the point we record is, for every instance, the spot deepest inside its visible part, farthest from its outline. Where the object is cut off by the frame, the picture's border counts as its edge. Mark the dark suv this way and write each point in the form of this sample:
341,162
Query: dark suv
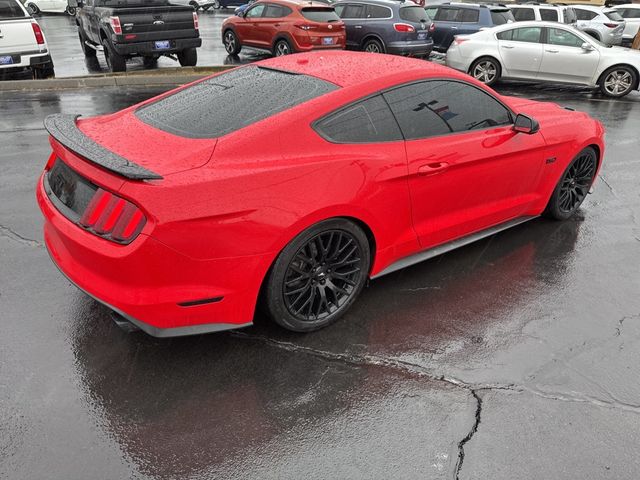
386,26
453,19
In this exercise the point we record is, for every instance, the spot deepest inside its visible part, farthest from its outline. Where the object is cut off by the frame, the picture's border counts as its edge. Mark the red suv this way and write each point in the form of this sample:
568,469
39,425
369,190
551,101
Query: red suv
283,27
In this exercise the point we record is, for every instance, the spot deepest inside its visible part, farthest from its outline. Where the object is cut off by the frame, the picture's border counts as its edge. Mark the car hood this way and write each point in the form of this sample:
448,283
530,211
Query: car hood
160,152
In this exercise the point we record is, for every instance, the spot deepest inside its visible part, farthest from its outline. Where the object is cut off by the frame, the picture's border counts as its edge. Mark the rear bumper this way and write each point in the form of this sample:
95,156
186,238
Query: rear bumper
415,49
139,48
28,60
159,290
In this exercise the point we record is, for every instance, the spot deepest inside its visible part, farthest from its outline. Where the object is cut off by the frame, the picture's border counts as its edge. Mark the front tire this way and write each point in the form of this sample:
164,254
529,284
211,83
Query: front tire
115,61
231,42
318,276
573,186
71,11
373,46
281,48
486,70
188,57
618,81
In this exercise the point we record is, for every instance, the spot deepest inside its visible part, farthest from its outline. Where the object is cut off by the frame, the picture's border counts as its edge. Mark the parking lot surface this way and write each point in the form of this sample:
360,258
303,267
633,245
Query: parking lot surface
514,357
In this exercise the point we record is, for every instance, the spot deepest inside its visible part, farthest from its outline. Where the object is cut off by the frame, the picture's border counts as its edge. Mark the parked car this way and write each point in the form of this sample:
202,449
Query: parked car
230,3
283,27
134,28
203,5
241,9
545,51
630,12
543,12
35,7
604,24
386,26
453,19
23,45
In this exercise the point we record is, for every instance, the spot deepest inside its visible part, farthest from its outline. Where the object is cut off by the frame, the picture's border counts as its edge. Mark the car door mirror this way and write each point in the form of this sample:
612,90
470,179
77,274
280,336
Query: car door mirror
525,124
587,47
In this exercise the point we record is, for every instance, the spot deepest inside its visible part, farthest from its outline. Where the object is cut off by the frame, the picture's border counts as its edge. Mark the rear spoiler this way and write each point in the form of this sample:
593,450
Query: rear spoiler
64,129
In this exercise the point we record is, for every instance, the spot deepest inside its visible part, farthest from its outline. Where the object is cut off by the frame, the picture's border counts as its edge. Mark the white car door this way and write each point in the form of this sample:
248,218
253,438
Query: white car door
631,15
564,59
521,51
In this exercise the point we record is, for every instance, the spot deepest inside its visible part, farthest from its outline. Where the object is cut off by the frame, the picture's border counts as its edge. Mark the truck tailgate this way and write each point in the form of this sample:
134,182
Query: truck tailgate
157,23
17,37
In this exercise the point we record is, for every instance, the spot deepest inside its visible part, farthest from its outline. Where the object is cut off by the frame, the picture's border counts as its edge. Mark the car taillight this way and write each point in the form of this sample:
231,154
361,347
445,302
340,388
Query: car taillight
403,27
458,41
611,25
432,27
113,217
306,26
196,25
115,25
37,31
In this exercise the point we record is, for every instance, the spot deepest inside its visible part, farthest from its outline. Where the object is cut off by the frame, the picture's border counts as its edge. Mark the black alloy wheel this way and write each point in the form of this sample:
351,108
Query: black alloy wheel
573,186
318,276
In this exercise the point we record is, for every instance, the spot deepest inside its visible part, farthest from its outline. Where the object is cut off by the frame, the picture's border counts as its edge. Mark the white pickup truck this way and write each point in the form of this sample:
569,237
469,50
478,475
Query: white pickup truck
22,43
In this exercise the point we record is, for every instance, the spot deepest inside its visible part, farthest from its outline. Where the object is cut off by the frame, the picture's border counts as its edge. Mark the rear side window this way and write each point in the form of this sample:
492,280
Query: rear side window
413,14
351,10
548,15
614,16
631,13
11,9
523,14
231,101
585,14
320,14
468,16
500,17
570,15
369,121
447,14
377,11
525,34
276,11
440,107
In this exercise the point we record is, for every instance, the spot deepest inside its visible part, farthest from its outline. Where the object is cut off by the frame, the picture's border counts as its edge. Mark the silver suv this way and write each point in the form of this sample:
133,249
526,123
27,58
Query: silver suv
604,24
543,12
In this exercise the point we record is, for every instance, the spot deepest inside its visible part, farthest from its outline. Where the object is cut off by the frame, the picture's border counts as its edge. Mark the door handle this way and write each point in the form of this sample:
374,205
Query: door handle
552,50
507,46
431,168
454,28
357,26
276,25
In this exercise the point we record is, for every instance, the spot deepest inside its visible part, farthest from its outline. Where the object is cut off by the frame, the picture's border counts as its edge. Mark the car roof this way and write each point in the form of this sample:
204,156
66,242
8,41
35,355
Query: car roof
490,6
386,3
297,3
533,23
348,68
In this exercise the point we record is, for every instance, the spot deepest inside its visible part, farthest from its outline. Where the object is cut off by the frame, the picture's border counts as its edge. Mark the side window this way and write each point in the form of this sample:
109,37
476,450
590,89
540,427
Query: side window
255,11
353,10
570,15
431,11
446,14
439,107
274,11
468,15
522,14
632,13
585,14
377,11
339,10
558,36
506,35
548,15
527,34
369,121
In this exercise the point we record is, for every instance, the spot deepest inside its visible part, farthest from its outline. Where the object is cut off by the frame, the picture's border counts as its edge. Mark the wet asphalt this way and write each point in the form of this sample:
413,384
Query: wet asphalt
512,358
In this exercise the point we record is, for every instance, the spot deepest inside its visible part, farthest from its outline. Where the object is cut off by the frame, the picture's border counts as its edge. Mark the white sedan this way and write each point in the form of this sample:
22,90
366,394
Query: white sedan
48,6
545,51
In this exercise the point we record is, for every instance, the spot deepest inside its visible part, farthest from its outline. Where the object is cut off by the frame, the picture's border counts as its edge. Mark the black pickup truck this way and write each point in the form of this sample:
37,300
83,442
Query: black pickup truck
131,28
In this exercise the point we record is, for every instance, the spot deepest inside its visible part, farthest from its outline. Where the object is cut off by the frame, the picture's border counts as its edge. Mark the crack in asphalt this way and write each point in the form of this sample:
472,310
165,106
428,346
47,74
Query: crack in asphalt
13,235
474,429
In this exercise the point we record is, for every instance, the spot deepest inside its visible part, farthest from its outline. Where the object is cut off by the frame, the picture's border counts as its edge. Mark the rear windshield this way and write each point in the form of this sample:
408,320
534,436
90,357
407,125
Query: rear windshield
231,101
614,16
131,3
319,14
11,9
413,14
500,17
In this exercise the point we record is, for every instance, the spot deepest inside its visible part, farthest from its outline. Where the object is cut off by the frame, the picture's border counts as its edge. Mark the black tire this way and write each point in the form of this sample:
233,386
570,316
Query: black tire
231,42
87,50
373,46
150,62
115,61
318,276
43,71
194,5
188,57
282,47
486,70
618,81
594,35
33,9
71,11
573,186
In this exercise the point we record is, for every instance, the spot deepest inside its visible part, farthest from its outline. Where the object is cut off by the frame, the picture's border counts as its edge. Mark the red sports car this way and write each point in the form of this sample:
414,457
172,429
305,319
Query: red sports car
292,181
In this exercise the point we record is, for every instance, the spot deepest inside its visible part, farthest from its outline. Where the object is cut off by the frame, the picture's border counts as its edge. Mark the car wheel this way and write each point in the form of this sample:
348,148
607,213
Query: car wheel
188,57
318,276
231,43
618,81
373,46
194,5
486,70
33,9
150,62
115,61
573,186
281,48
86,49
71,11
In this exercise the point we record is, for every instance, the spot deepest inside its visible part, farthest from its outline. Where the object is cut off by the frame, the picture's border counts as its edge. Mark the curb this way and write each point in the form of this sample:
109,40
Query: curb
161,76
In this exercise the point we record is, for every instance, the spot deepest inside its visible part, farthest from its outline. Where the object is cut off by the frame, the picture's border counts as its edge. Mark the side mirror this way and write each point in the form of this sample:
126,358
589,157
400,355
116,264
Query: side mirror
525,124
587,47
73,3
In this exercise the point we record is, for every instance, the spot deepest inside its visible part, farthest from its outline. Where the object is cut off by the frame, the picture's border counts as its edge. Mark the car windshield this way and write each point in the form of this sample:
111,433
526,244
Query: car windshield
613,16
11,9
230,101
414,14
500,17
320,14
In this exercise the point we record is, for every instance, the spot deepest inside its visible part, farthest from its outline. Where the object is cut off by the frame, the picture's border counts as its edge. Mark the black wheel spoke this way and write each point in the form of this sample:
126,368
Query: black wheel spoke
576,182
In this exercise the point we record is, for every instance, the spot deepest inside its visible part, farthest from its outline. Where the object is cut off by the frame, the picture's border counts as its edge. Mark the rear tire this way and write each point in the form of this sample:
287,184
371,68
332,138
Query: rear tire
115,61
486,70
188,57
573,186
87,50
318,276
373,46
231,42
33,9
281,48
618,81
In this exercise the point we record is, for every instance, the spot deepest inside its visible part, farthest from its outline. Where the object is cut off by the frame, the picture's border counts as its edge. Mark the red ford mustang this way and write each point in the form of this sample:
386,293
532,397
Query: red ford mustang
293,180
